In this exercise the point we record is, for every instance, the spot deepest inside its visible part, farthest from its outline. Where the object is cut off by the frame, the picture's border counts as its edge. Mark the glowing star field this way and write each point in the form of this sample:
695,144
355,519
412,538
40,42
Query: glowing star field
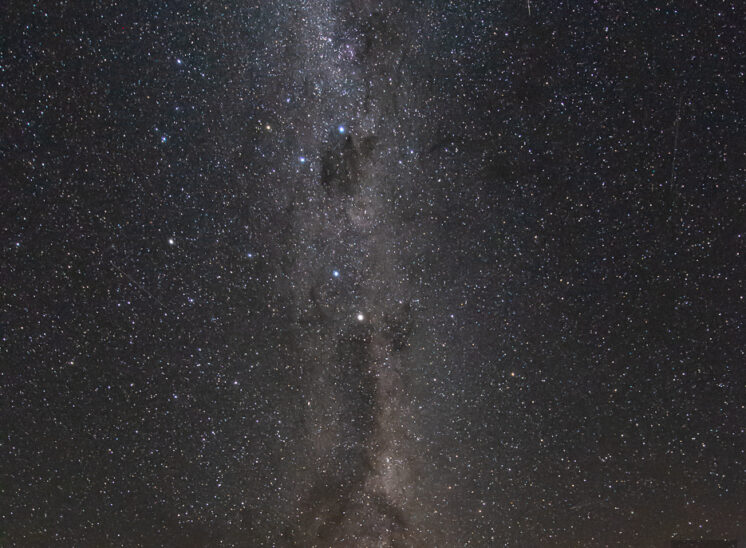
366,273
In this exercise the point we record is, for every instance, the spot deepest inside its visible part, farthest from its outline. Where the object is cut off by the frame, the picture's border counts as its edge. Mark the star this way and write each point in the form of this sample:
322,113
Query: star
335,273
360,317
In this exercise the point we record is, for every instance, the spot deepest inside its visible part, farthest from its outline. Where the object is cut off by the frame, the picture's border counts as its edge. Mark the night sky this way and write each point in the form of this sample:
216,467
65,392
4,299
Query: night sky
372,273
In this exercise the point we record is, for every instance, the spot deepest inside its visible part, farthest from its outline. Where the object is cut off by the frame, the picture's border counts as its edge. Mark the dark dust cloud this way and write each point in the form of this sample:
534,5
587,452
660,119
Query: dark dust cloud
372,273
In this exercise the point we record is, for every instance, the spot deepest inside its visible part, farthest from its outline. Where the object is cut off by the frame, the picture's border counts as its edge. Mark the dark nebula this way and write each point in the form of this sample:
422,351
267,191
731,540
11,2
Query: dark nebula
325,273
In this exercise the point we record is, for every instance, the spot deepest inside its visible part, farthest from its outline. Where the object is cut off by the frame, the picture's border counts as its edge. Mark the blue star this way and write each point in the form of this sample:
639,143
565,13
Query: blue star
341,129
335,273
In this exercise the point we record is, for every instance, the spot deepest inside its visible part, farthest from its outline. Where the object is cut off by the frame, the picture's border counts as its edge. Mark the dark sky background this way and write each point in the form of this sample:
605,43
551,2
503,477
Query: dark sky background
371,273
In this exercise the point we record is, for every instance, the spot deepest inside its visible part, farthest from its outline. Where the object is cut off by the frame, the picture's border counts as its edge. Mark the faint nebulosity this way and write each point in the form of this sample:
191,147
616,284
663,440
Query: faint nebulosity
372,273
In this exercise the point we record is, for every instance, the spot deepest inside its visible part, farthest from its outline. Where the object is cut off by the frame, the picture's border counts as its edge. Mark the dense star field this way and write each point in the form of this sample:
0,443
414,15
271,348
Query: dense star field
372,273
